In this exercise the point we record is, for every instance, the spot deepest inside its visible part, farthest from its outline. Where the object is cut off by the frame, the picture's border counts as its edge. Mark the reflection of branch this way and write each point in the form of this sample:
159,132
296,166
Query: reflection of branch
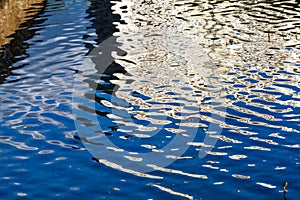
284,190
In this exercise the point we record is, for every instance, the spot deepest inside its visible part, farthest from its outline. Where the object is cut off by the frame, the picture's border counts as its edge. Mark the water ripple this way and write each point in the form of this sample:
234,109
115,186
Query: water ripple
154,93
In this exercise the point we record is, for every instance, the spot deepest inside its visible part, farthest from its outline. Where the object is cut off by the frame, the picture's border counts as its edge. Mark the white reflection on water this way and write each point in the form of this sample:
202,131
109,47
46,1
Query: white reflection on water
178,53
165,67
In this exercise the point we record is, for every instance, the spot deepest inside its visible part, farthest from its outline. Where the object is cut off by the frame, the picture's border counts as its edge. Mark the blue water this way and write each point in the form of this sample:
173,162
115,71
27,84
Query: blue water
46,155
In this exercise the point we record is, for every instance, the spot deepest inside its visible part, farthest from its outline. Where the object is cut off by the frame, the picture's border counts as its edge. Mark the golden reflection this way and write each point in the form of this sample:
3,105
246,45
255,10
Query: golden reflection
12,14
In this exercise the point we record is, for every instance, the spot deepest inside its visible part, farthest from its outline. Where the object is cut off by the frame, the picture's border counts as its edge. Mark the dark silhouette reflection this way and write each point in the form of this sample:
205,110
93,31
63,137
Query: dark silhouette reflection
15,50
103,21
284,195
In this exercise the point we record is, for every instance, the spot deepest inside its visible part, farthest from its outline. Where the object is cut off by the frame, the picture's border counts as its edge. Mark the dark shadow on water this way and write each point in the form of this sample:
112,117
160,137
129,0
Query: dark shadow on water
103,22
102,19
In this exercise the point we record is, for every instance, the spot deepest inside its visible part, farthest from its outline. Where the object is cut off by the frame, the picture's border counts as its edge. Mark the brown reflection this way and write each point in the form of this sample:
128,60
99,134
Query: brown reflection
12,14
16,17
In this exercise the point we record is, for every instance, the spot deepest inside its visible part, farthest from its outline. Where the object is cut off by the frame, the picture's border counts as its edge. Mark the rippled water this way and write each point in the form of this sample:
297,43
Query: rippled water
151,100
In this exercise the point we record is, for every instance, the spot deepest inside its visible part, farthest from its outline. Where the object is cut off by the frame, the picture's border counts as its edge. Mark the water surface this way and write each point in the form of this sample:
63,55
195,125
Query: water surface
233,96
